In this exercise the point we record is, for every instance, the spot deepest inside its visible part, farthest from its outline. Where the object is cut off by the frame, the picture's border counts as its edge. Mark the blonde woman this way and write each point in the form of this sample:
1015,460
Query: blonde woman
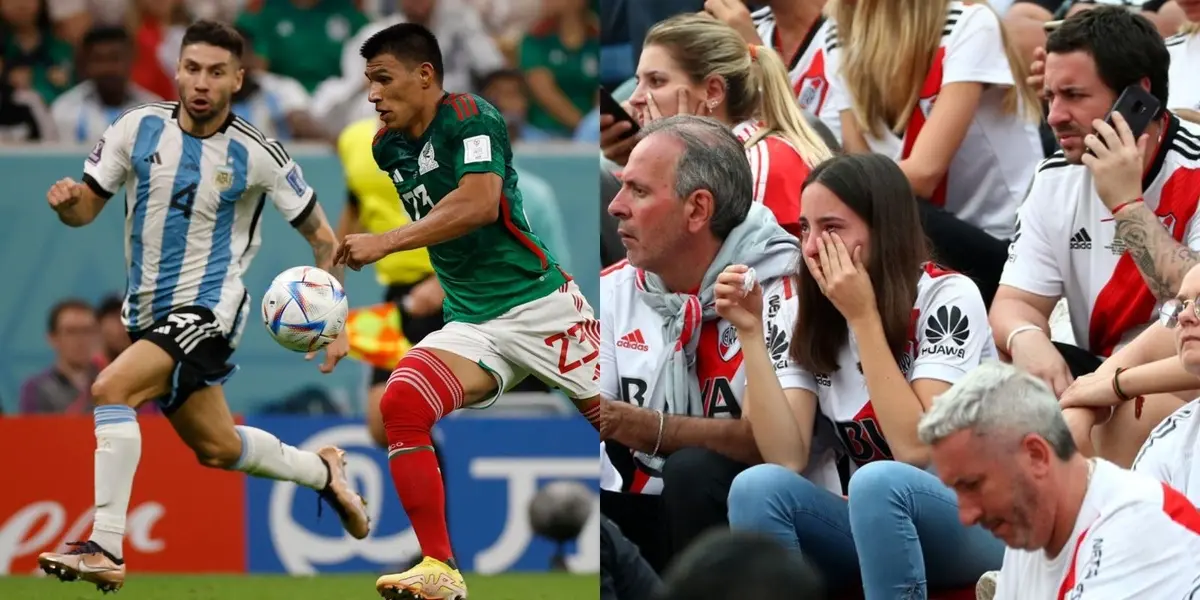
695,64
1184,93
932,83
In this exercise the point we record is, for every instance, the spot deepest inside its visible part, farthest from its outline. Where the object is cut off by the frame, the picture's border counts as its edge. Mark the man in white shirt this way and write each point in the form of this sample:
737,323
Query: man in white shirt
1075,528
1113,232
84,112
671,372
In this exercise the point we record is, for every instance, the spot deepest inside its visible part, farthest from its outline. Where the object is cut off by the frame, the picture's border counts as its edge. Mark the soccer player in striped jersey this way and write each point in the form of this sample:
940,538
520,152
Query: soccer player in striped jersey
511,311
196,180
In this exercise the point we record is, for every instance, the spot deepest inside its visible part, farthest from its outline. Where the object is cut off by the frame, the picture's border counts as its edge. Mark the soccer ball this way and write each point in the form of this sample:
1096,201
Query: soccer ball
305,309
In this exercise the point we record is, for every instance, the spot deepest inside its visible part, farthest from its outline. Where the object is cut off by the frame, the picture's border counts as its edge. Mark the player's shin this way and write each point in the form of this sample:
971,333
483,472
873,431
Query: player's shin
118,450
263,455
420,391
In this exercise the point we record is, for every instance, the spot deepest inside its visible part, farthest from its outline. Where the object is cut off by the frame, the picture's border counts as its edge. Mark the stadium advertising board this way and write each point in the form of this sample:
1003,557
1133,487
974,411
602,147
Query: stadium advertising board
493,468
183,518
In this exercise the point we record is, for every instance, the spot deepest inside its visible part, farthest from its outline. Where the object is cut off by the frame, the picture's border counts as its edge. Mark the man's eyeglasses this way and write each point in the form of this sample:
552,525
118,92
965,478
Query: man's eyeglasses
1169,314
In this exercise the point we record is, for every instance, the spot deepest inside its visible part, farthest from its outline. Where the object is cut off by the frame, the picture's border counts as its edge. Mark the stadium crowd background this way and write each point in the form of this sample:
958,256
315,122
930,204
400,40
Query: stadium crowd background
70,68
969,181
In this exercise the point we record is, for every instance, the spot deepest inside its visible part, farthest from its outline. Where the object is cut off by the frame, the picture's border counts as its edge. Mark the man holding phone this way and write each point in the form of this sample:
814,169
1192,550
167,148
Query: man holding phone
1110,221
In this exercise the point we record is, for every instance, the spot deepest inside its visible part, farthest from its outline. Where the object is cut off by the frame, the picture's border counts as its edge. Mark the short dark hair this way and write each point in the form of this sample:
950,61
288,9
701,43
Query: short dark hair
701,571
408,42
1125,46
214,33
104,35
110,306
500,75
874,187
63,306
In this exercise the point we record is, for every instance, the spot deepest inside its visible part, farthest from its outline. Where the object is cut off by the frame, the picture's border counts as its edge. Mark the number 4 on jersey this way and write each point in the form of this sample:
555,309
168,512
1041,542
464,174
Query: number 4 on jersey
416,202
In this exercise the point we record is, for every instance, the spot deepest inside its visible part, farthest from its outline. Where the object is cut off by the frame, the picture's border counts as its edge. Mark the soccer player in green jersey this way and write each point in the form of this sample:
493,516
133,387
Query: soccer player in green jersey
511,311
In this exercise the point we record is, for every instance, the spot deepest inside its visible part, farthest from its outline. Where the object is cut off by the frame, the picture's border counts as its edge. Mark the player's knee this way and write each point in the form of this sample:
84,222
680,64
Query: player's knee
109,389
420,391
217,454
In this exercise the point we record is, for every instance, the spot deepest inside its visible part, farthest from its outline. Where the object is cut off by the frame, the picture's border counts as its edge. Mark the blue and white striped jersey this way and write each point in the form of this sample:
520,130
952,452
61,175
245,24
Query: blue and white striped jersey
192,209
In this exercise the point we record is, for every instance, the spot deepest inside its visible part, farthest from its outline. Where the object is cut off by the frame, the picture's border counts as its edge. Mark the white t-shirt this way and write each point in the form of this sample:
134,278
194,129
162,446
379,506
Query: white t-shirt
1169,453
632,344
1134,538
1185,64
82,118
948,336
1065,240
807,68
989,174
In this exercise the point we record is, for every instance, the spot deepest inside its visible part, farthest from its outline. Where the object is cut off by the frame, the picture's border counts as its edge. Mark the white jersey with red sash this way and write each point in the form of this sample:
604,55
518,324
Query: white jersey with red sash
806,67
1134,538
1066,247
948,336
990,172
632,348
779,174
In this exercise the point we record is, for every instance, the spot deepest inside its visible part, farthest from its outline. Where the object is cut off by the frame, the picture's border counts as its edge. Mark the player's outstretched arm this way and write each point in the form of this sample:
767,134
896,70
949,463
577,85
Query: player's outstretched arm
74,202
473,204
316,229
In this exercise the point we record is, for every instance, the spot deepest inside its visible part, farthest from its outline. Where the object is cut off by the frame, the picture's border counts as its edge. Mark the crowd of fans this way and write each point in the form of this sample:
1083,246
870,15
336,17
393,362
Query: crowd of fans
944,355
70,67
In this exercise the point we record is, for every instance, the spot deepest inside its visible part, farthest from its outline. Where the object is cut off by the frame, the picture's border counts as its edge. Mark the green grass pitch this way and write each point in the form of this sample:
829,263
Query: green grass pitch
522,586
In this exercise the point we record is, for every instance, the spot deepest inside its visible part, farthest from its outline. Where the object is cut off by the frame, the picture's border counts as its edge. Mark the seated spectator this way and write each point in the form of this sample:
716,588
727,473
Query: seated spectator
671,370
762,569
275,104
86,110
951,106
505,89
624,574
798,31
66,387
1185,60
1068,245
468,52
114,338
72,19
303,39
560,59
34,59
1169,453
694,64
24,117
1026,19
880,332
157,27
1074,527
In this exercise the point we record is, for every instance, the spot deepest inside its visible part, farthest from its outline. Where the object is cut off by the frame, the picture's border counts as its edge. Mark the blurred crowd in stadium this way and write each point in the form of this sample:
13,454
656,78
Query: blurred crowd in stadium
834,212
70,66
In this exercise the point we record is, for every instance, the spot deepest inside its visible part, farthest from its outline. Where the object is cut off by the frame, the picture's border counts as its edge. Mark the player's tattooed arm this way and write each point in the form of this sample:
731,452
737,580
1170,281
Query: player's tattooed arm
637,428
1162,261
473,204
316,229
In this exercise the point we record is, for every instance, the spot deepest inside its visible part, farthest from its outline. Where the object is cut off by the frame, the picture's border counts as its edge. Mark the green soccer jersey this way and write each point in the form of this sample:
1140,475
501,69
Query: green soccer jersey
498,266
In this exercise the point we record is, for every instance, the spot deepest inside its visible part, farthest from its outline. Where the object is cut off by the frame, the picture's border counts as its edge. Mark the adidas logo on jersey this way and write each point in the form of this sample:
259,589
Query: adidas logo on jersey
633,341
1081,240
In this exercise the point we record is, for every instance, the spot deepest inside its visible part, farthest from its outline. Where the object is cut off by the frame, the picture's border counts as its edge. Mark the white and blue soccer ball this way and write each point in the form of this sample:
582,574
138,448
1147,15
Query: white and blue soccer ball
305,309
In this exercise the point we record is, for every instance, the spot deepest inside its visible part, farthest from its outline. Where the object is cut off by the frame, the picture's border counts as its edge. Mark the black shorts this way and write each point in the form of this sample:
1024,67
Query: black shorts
414,328
192,336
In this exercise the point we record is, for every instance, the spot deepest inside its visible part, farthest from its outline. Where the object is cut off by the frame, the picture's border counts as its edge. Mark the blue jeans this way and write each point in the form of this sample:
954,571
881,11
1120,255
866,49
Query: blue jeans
898,520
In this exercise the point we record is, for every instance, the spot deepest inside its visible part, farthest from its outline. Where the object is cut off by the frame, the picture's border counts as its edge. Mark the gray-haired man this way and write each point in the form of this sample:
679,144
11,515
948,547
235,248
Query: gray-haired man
670,369
1070,523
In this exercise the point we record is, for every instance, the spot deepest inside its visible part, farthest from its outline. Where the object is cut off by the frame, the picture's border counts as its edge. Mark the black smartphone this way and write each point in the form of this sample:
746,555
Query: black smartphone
609,106
1139,108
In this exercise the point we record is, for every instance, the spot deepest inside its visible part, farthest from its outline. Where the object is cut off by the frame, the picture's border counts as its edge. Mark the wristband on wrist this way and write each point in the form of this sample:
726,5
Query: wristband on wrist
1012,334
1125,204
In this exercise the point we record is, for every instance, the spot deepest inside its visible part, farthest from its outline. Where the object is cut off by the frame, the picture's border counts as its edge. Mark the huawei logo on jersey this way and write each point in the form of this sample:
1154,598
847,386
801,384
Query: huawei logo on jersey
947,331
633,341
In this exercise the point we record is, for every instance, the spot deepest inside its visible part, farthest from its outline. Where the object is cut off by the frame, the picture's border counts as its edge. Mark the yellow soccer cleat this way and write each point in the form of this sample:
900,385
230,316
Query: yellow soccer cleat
430,580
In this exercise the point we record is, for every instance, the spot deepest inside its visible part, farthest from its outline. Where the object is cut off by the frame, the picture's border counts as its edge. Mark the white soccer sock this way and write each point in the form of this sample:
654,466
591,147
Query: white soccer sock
118,449
263,455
